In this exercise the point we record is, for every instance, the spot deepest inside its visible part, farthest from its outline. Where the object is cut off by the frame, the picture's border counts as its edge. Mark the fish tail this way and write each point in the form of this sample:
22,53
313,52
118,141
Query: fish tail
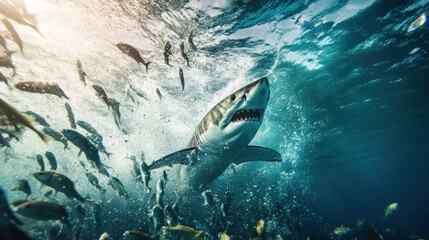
45,138
146,65
37,30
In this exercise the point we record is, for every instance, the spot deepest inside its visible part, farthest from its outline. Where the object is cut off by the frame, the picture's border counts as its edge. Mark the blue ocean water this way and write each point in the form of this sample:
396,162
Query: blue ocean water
348,111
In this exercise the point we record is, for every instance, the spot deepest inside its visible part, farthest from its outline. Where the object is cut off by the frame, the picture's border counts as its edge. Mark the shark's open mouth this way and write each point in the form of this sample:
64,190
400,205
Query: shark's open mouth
247,115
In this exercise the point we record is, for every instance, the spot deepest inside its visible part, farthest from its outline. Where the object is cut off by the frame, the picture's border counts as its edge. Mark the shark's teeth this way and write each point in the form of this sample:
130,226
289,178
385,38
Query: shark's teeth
247,115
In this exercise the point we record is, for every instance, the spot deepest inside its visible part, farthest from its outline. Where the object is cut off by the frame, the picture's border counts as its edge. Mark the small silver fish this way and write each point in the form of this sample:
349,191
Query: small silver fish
89,128
41,87
136,168
39,159
191,41
101,94
167,53
43,211
71,116
117,185
117,113
145,172
135,235
184,55
38,118
52,160
94,181
133,52
57,136
82,74
341,230
183,232
182,78
390,209
86,147
164,176
159,94
139,93
61,184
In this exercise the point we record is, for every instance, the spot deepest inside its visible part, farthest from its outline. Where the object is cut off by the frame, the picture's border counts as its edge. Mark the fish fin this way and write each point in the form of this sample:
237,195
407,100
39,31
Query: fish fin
180,157
80,153
44,137
256,153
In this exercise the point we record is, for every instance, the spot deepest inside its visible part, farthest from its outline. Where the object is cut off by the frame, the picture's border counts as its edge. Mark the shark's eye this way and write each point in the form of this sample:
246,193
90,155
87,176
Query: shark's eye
233,97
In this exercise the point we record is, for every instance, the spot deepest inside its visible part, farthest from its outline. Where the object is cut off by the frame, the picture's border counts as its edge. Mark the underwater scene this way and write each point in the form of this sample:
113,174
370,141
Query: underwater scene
226,119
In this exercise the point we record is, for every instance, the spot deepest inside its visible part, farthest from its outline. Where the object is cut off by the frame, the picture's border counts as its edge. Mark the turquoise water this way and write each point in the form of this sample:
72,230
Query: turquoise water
348,111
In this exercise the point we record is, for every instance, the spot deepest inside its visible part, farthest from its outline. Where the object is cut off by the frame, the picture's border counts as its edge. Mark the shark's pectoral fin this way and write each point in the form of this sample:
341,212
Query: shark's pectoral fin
184,157
255,153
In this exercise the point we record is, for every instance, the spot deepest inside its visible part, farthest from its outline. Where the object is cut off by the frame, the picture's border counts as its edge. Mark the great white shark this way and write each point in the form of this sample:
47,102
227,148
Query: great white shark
222,138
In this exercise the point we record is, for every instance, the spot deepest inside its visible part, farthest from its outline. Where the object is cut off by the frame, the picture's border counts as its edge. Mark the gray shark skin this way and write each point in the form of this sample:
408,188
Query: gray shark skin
222,137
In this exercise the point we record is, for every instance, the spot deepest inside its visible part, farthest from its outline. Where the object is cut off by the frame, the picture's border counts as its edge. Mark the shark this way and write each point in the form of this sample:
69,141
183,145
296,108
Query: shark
222,137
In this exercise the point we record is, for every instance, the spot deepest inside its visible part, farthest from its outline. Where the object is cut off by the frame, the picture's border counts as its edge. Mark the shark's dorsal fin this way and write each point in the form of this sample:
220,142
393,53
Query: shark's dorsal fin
256,153
180,157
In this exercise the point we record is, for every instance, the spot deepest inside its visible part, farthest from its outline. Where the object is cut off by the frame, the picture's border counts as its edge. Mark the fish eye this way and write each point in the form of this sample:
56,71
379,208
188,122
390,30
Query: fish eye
233,97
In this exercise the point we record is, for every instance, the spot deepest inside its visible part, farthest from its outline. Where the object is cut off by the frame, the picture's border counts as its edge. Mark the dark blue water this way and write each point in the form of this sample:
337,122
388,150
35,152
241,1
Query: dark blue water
349,110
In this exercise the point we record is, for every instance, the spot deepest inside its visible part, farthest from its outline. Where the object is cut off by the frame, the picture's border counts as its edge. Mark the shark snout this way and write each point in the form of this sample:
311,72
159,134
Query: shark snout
263,80
261,90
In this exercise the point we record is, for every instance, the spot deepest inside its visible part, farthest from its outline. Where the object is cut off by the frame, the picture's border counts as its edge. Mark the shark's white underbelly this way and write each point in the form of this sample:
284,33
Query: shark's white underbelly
207,168
215,153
